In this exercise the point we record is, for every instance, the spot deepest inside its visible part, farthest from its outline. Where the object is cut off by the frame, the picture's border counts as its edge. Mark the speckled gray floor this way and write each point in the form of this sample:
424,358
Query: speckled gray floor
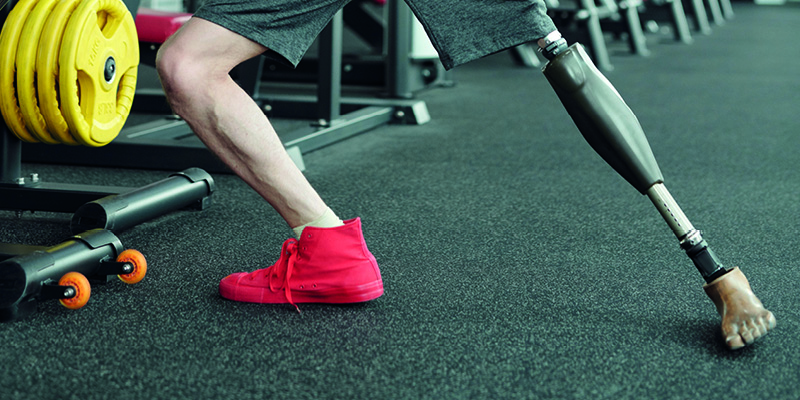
516,263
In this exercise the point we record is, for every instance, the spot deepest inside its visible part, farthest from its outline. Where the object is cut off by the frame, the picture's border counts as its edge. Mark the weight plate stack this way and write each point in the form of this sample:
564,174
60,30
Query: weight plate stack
69,70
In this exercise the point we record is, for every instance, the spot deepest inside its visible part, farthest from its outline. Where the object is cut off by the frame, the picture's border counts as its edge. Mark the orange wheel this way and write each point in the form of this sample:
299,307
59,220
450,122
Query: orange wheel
82,290
139,266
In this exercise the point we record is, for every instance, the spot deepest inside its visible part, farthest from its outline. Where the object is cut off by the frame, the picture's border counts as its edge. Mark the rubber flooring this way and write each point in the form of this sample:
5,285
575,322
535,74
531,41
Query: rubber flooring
517,264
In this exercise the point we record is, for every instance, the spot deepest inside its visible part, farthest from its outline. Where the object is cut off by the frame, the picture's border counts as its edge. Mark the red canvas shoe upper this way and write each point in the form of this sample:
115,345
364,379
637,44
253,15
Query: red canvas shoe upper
326,265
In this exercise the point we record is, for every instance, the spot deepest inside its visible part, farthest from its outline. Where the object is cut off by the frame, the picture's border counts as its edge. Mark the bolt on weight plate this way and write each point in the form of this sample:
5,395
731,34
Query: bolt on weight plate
27,72
48,70
9,43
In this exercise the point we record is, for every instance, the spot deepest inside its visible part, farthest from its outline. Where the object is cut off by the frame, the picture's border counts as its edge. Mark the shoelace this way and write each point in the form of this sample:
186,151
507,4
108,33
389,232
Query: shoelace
285,267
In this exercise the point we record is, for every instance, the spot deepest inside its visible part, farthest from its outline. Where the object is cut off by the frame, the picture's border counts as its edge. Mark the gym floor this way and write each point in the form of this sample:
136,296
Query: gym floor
517,264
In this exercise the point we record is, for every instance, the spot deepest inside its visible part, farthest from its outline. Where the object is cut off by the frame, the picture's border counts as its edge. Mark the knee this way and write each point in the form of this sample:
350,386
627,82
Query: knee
175,71
187,77
180,71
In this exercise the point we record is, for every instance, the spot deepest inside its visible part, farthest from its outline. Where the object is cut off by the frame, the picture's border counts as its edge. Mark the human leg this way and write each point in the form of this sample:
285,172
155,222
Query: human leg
329,262
194,65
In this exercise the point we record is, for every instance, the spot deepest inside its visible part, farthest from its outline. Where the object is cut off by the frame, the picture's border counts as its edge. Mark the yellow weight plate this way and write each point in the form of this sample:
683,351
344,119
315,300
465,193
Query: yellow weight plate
27,71
47,70
98,69
9,41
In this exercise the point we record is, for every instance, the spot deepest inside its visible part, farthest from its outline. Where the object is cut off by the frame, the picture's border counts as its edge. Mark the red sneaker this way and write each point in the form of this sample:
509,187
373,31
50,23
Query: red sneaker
326,265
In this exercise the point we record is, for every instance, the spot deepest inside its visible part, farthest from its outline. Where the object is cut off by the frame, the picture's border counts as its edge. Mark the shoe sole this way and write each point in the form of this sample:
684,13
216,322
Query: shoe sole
352,294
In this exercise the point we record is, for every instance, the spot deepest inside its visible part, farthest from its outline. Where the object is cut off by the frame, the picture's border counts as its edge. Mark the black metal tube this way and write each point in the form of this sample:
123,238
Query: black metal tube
329,82
22,277
705,260
10,146
398,49
119,212
10,156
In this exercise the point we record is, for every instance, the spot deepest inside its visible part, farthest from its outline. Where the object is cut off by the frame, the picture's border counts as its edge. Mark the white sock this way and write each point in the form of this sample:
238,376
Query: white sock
327,220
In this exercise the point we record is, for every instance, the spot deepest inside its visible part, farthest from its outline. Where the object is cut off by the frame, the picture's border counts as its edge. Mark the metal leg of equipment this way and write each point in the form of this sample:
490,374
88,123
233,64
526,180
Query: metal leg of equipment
581,21
339,117
671,12
697,11
715,8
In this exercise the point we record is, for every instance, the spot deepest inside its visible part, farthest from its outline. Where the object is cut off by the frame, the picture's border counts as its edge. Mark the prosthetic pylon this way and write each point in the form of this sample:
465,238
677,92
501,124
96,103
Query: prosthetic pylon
611,128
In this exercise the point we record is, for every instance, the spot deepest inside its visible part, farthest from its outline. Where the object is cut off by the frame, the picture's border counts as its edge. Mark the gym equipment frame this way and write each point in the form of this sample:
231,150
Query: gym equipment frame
29,273
169,143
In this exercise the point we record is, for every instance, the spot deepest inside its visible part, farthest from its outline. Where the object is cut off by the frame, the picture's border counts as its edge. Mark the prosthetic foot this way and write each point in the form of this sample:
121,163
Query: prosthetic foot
614,132
744,318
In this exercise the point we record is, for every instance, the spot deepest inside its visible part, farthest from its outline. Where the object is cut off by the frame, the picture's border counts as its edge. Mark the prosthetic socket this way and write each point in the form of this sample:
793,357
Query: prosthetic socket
614,132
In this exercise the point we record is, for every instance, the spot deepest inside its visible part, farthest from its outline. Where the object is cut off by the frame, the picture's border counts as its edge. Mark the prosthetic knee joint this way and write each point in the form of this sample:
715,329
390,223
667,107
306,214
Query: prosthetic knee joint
614,132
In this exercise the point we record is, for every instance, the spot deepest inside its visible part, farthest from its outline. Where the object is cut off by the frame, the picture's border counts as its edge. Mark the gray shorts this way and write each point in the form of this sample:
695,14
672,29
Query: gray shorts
460,30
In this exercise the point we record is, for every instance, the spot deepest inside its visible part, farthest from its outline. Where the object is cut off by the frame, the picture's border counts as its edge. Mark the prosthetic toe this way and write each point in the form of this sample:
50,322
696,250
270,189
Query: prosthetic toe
744,318
326,265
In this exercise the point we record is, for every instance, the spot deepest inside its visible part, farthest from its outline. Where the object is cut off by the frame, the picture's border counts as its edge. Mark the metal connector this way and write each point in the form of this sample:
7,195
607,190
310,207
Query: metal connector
702,256
690,239
554,44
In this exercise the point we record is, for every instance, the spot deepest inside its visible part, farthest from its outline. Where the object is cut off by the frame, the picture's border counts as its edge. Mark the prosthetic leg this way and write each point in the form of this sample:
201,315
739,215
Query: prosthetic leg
611,128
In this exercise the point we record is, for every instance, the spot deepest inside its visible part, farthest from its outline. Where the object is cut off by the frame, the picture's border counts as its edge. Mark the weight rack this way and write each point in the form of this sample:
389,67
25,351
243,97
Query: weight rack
93,207
168,143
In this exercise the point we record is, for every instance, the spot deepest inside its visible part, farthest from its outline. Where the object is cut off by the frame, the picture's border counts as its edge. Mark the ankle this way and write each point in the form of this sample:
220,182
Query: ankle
328,219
